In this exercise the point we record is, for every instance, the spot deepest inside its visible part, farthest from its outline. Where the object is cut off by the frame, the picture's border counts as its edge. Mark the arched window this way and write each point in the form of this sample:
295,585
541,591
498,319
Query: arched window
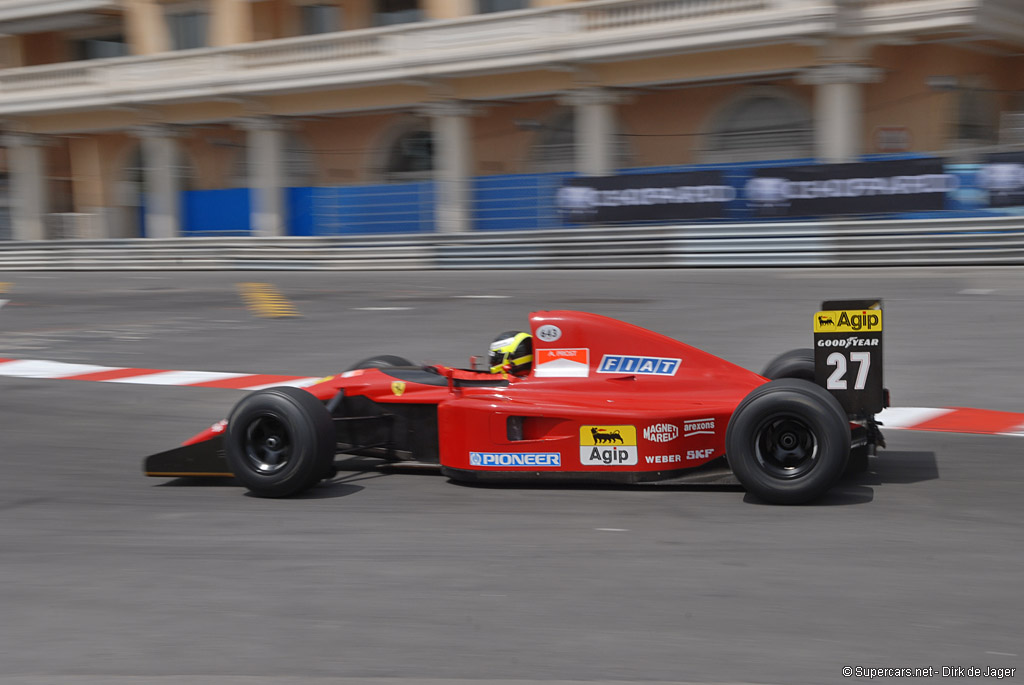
977,114
411,155
554,148
762,124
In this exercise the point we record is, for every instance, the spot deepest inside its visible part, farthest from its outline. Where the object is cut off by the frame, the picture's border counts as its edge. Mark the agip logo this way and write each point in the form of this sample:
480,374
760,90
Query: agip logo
608,445
848,321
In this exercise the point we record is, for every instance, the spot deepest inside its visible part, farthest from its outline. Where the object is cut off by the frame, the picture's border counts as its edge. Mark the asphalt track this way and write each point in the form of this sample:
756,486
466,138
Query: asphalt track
108,577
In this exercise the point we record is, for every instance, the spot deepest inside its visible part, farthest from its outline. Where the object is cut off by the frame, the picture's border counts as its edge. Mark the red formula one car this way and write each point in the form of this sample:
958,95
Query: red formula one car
604,401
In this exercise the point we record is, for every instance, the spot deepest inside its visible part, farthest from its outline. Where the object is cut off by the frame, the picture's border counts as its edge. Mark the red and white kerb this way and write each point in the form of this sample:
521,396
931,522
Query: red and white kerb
39,368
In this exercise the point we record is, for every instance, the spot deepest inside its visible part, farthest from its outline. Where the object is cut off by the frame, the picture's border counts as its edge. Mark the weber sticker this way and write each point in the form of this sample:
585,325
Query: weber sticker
608,446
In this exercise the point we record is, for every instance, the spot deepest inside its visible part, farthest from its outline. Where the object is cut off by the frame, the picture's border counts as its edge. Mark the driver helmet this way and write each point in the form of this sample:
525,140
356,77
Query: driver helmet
512,351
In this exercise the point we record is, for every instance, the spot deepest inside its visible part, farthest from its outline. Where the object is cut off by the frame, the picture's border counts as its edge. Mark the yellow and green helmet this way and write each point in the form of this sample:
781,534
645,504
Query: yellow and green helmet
511,351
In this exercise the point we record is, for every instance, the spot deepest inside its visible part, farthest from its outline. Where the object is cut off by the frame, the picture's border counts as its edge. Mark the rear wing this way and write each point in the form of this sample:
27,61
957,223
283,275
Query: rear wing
848,354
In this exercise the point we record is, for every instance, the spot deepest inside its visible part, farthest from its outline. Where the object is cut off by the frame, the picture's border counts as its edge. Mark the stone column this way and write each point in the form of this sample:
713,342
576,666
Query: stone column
839,109
453,165
28,187
145,27
595,129
231,22
162,181
266,170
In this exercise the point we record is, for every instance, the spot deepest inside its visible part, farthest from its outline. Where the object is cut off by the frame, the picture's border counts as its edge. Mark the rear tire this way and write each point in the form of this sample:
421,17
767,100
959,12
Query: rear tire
788,441
797,363
280,441
380,361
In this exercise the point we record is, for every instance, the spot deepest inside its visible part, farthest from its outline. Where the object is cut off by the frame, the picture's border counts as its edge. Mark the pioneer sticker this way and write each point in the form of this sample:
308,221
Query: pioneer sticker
515,459
608,445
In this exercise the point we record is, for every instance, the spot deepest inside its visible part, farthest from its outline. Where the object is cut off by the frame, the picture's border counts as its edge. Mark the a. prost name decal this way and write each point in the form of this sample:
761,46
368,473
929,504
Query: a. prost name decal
641,366
608,445
515,459
567,363
848,321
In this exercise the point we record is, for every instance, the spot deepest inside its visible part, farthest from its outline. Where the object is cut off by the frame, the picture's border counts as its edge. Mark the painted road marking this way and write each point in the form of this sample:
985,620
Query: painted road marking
482,297
44,369
265,300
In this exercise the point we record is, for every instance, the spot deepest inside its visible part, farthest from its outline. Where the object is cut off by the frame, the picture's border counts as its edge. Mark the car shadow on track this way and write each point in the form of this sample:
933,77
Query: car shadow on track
888,467
899,467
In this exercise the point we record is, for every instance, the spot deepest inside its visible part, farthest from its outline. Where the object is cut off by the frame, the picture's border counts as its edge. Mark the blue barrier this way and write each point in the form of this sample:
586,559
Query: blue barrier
501,202
215,212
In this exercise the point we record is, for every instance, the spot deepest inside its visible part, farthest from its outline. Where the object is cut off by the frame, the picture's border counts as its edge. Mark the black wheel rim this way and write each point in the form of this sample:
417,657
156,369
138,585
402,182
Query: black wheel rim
268,444
786,447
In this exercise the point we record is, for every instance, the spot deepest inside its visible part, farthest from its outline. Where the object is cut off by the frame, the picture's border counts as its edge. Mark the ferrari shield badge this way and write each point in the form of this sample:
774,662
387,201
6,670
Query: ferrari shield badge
397,387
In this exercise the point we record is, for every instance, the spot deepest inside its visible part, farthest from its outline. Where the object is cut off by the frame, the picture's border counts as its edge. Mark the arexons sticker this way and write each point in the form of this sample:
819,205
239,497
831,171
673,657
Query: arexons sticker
698,427
608,445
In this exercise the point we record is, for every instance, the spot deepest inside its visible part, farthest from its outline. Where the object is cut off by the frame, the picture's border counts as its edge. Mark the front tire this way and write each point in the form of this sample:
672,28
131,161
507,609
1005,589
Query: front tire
280,441
788,441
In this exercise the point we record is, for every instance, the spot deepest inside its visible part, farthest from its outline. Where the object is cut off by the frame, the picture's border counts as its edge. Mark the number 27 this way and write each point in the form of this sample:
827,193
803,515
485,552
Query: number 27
836,380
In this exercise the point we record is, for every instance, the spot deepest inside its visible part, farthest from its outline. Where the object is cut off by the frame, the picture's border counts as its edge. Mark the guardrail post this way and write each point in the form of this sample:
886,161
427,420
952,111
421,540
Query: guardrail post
28,185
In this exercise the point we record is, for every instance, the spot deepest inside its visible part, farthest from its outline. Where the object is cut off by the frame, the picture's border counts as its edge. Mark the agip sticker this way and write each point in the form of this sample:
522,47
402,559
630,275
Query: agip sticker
848,321
608,446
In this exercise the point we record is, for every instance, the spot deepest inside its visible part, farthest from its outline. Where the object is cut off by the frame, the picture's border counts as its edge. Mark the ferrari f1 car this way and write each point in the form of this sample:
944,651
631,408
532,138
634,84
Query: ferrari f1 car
604,401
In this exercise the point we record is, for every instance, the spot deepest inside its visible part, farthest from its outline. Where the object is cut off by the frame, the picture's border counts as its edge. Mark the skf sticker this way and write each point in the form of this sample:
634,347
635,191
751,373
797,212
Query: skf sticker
848,321
640,366
397,388
574,363
608,445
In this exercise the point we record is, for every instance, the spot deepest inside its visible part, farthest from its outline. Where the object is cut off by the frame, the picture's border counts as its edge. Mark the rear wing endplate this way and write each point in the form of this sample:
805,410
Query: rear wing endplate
848,354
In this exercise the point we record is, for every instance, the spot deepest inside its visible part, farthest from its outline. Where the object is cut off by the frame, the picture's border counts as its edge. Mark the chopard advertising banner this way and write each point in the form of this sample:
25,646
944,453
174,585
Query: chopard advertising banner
1002,175
904,185
644,197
